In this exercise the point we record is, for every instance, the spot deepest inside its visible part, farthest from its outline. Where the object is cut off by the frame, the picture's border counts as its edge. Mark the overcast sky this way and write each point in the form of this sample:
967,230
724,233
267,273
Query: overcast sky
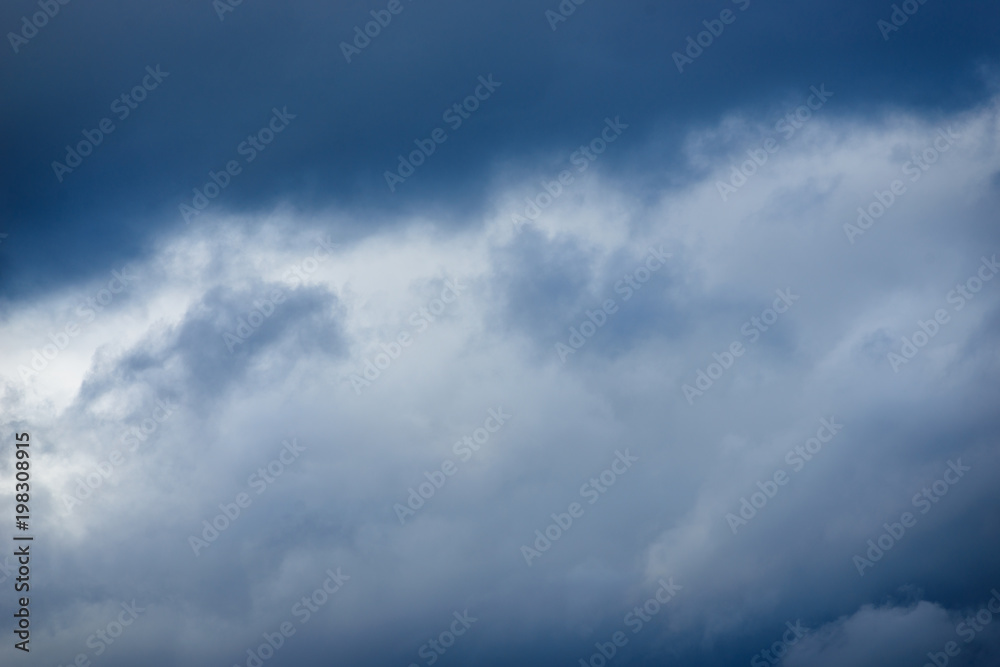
535,333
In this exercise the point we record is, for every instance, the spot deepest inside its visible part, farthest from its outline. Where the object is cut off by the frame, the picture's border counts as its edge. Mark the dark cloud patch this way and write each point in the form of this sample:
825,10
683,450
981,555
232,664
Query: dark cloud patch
354,119
223,337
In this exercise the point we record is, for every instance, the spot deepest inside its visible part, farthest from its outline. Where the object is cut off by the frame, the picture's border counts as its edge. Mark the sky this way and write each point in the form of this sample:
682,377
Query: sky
535,333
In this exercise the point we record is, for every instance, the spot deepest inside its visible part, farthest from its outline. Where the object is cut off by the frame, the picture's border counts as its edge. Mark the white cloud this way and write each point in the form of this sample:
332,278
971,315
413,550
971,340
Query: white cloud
163,339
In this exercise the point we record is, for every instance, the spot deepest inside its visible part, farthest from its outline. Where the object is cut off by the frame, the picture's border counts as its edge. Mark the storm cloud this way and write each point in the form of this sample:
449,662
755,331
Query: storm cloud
673,338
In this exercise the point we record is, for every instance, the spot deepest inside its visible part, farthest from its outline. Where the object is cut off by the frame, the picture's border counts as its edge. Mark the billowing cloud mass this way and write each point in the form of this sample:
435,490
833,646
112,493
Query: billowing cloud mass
650,353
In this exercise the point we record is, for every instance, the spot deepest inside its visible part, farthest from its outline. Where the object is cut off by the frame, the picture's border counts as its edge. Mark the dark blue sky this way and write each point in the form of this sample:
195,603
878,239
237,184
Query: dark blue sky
353,119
